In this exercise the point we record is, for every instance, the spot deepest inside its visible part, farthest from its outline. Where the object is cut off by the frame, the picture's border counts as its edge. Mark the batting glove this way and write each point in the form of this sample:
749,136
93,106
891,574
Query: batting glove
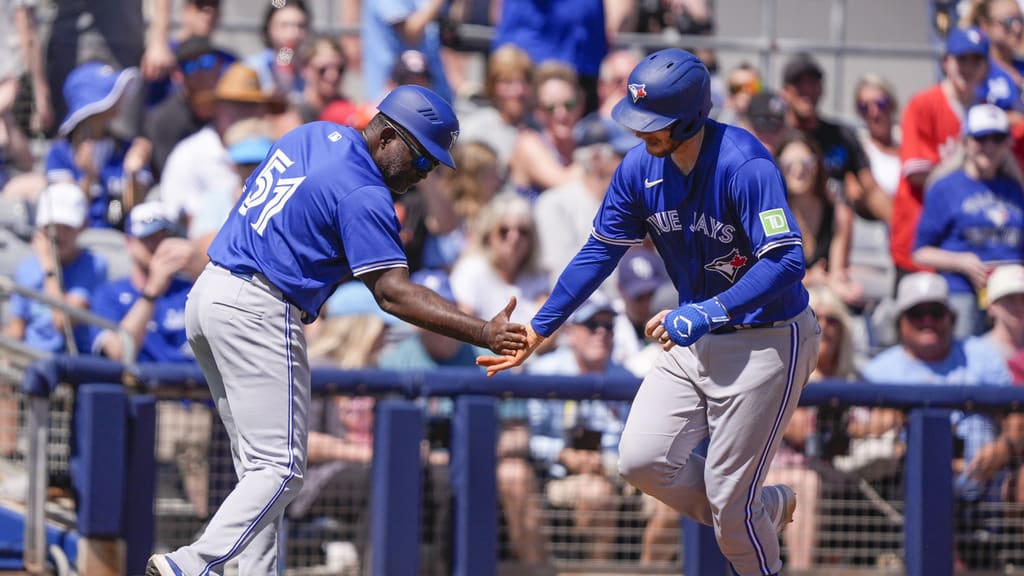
686,324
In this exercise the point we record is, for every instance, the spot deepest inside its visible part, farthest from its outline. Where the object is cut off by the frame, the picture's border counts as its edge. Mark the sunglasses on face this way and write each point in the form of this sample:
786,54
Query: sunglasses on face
594,325
933,311
986,138
421,161
504,231
752,87
568,105
204,62
805,163
881,104
1010,22
323,70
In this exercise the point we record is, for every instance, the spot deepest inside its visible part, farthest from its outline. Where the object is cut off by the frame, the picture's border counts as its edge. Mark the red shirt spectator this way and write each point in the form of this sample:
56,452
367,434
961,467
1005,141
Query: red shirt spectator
931,131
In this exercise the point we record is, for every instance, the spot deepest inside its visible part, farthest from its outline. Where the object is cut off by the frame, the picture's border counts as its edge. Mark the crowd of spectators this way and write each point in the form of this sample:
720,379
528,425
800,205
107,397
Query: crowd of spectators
912,220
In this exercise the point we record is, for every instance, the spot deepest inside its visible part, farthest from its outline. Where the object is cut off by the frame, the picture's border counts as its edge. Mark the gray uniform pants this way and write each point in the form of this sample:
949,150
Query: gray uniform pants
741,390
250,345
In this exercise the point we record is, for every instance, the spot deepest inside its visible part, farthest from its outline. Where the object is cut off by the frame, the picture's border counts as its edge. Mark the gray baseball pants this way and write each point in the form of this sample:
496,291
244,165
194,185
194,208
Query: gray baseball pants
250,345
741,389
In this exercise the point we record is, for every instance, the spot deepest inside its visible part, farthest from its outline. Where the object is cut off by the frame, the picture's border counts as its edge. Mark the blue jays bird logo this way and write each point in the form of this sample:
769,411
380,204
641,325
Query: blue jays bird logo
728,265
637,92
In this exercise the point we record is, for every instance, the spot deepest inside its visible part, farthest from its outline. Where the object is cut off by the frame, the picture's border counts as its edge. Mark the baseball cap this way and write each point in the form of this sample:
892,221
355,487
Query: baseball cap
800,65
61,203
594,305
921,287
149,218
436,280
195,47
766,110
240,83
411,67
963,41
985,119
1006,280
593,130
641,272
93,88
251,150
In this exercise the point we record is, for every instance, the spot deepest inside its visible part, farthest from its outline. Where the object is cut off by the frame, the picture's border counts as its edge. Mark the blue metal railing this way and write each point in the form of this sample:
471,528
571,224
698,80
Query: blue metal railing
117,402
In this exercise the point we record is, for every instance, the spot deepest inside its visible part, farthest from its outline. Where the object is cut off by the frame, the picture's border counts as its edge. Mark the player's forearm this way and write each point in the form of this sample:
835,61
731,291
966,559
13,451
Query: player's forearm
591,265
775,270
424,308
411,29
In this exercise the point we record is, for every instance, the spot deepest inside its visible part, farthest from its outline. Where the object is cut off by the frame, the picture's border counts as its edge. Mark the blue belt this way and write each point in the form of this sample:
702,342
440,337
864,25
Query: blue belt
730,328
242,275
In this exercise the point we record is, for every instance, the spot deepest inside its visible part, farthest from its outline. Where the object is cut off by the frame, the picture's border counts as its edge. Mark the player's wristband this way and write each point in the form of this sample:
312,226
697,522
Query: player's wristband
149,298
50,273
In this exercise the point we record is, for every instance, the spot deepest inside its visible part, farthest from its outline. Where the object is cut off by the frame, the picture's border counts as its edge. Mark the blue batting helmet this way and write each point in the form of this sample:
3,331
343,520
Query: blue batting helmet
668,87
426,116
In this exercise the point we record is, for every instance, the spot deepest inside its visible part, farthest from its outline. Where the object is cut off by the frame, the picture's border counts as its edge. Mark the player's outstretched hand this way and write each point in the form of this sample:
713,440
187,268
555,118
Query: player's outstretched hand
502,336
686,324
495,364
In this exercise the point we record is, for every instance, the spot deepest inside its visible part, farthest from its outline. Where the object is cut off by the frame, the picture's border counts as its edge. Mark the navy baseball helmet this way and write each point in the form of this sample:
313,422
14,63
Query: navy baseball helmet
426,116
671,86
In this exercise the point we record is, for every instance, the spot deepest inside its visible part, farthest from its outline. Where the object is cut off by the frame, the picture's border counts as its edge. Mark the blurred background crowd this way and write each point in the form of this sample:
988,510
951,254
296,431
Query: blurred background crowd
127,129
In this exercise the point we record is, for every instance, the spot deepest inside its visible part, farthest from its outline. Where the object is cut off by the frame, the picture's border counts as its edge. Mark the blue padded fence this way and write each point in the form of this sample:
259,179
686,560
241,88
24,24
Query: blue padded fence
114,461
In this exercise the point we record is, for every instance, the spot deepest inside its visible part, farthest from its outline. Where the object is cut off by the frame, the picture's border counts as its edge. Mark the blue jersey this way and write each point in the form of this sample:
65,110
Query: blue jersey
711,225
165,339
81,278
315,212
1000,89
962,214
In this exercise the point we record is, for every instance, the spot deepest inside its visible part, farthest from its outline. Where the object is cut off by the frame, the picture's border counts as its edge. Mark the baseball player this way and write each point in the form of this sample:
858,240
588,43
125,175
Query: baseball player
741,344
315,212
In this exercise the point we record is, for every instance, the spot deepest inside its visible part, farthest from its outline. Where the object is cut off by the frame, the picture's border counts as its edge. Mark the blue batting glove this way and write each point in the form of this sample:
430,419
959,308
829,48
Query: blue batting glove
686,324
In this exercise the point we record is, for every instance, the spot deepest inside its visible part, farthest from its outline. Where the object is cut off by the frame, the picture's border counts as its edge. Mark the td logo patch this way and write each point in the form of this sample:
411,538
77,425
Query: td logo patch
774,222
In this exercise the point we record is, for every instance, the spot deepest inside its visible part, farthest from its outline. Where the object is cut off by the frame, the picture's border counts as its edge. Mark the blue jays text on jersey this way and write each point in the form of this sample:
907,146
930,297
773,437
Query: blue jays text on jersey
315,212
711,225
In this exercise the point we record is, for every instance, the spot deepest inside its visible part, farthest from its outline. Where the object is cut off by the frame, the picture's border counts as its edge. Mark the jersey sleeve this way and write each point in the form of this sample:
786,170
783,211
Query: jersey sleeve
759,195
394,11
104,304
620,220
369,231
60,163
29,275
934,223
919,152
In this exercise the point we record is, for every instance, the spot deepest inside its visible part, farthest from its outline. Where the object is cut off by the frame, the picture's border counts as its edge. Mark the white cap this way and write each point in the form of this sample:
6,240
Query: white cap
985,119
921,287
1005,280
61,203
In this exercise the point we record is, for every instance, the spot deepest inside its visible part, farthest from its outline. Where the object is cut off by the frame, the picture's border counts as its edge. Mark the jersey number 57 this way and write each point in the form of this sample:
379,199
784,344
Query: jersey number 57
269,182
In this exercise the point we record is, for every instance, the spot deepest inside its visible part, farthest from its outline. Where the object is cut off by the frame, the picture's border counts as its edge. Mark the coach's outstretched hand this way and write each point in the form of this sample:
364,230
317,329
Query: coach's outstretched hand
502,336
495,364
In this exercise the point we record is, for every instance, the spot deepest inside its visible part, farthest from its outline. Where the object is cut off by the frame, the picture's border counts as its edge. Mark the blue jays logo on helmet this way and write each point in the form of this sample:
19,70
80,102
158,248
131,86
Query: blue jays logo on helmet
637,92
671,87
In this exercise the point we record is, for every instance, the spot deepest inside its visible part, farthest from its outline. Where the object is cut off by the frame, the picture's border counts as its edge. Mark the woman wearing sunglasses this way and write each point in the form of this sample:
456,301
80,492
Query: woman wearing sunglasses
870,261
825,224
973,215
